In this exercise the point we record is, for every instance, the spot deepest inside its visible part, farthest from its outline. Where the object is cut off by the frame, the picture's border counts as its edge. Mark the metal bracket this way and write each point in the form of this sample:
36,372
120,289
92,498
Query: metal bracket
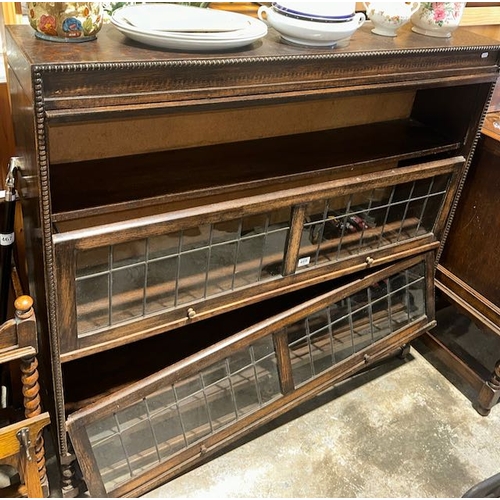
23,435
10,180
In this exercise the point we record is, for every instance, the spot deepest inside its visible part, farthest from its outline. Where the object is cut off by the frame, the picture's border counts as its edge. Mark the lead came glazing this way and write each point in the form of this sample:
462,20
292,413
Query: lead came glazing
155,429
160,273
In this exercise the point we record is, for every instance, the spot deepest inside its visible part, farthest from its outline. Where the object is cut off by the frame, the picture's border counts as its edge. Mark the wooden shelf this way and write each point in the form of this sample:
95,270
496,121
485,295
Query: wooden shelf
265,164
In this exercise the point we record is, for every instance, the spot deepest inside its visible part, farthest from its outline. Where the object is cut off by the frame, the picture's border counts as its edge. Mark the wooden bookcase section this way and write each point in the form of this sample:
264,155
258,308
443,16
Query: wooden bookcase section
213,239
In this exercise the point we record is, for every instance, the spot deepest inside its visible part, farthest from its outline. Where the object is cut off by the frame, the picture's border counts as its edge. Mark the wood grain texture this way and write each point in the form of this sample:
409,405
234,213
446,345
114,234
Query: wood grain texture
414,103
471,249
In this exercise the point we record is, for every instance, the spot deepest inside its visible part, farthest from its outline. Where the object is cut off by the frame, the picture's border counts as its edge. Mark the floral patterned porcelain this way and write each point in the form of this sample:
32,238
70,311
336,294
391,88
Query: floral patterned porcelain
388,17
438,19
65,21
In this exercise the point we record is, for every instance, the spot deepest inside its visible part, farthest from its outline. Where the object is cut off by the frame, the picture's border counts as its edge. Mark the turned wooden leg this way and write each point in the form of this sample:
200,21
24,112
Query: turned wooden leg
70,485
404,351
490,392
32,408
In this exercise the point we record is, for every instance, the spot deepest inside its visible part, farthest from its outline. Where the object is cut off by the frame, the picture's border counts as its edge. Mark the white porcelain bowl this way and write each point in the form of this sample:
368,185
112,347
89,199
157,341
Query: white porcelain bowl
310,33
320,9
336,14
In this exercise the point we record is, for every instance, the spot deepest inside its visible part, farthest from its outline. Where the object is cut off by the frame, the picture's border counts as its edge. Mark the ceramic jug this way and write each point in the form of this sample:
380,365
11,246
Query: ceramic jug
388,17
438,19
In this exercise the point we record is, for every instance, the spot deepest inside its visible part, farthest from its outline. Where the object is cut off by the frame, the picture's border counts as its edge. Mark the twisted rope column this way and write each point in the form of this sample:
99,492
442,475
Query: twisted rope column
31,388
32,408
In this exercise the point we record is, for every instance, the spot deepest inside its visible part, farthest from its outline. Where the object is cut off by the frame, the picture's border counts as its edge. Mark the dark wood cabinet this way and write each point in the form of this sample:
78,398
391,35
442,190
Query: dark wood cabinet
215,238
469,253
468,271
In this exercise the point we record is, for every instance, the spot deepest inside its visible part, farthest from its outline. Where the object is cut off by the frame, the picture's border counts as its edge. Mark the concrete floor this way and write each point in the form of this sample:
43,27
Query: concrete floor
400,430
404,429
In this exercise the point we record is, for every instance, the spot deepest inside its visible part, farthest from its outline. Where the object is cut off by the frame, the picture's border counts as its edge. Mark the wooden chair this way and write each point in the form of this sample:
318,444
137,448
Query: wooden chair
21,443
18,448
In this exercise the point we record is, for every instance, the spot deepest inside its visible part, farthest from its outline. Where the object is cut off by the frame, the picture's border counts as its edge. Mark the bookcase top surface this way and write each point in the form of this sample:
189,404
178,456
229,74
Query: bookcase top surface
112,46
117,77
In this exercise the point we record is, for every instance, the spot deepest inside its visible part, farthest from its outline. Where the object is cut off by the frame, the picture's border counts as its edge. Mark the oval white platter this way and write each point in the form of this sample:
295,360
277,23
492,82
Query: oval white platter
181,27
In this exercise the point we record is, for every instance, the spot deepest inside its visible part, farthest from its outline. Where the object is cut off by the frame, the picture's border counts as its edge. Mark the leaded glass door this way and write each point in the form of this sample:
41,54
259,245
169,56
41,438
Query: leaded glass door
173,418
159,272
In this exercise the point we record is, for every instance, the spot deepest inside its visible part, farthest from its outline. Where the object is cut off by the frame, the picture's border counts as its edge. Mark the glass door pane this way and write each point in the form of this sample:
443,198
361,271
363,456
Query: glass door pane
340,227
249,373
117,283
336,332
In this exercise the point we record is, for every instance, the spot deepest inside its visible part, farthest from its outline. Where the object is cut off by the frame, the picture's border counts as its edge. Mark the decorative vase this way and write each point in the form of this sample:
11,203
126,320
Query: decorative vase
438,19
66,21
388,17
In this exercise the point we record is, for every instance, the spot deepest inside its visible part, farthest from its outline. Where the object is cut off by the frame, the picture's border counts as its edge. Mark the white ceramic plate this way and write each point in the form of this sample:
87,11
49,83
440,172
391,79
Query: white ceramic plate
180,18
186,44
231,37
166,42
254,29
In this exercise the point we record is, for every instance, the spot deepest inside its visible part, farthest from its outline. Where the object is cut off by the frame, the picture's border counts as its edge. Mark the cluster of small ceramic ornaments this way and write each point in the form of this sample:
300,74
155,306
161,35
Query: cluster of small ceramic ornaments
316,24
437,19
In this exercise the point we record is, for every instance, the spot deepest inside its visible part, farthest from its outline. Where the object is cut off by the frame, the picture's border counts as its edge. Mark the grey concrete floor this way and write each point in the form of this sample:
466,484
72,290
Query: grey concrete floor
400,430
403,429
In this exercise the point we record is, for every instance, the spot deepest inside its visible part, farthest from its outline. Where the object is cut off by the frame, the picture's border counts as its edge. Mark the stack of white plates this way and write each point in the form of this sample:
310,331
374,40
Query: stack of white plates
182,27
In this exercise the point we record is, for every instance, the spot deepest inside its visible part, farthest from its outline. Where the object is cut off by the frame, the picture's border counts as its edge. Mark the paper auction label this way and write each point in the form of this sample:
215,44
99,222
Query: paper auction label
304,261
6,239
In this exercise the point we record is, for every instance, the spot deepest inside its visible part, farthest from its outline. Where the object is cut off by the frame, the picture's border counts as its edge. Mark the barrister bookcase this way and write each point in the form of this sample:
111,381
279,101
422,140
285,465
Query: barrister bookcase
214,238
